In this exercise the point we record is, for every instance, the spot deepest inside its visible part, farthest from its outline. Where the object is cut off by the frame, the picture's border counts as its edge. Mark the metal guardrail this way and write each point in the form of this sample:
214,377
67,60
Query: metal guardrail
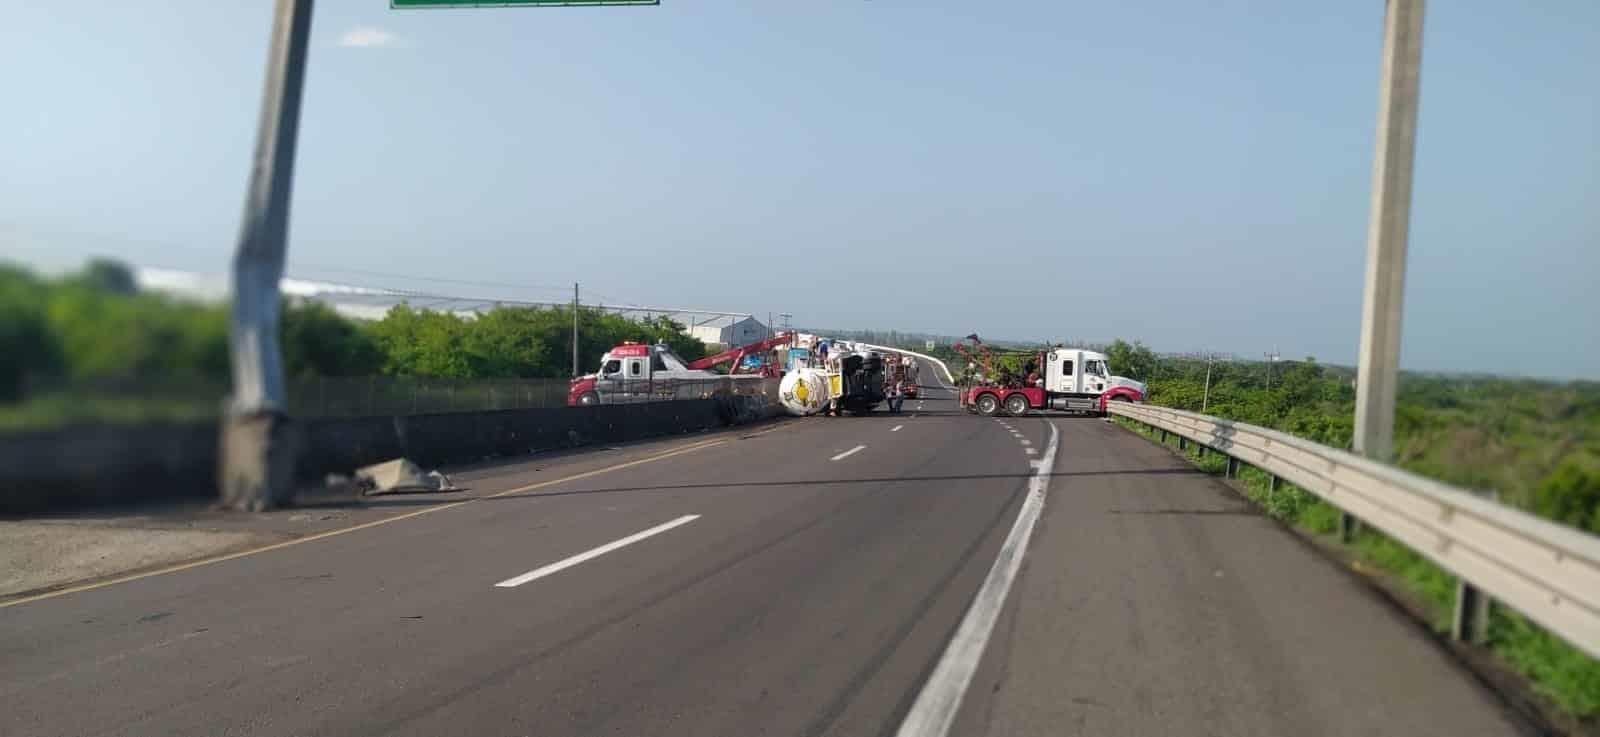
946,369
1547,571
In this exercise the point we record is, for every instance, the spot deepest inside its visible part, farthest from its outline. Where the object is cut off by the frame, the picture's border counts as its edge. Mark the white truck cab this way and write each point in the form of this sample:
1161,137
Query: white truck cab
633,372
1071,371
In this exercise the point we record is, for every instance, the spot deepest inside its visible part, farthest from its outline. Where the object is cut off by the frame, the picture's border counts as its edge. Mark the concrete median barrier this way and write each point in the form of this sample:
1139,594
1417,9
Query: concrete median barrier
97,465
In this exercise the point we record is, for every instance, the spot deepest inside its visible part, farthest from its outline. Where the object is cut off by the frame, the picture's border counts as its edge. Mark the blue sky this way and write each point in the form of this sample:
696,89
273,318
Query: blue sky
1194,177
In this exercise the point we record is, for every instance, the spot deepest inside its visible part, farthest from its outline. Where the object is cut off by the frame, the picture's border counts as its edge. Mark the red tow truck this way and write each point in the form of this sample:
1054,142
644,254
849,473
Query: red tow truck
1064,379
636,372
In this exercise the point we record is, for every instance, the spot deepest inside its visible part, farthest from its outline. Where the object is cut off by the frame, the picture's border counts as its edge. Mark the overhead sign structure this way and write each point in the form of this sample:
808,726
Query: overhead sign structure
403,4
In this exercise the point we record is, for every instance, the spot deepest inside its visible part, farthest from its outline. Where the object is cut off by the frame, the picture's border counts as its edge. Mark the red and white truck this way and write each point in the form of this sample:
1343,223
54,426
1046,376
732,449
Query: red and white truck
1063,379
636,372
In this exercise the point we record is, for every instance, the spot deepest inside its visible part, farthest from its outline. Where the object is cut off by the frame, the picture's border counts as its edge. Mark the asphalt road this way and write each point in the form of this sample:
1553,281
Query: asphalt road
809,579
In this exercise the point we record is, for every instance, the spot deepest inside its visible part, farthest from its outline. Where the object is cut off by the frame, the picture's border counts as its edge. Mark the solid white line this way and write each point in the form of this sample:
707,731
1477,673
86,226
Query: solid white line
896,428
538,573
848,453
1025,441
1030,451
935,708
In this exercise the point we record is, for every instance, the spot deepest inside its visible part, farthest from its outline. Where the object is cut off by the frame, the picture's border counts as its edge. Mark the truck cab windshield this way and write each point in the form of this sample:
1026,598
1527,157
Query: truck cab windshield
612,366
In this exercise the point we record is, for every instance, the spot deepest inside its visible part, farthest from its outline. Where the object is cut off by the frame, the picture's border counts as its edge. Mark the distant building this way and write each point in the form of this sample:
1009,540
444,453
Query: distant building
742,332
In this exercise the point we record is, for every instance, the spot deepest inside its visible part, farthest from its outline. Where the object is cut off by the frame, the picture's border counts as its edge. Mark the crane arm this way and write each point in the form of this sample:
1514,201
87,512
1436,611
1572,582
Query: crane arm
737,354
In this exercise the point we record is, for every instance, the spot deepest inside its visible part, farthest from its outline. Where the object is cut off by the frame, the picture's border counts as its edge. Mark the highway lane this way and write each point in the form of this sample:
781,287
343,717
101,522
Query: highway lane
1157,601
807,596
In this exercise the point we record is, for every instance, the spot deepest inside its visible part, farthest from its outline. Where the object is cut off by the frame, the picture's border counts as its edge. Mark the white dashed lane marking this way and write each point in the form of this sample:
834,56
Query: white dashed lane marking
848,453
538,573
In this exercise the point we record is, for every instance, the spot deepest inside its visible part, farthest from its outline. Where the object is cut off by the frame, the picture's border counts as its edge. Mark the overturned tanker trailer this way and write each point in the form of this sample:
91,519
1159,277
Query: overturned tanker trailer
845,381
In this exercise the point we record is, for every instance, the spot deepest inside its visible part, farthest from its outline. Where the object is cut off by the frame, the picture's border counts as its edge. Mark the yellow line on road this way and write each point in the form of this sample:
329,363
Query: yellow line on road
353,528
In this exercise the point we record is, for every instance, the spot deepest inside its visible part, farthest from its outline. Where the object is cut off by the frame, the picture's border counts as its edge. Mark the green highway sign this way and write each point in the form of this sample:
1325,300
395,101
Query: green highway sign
511,3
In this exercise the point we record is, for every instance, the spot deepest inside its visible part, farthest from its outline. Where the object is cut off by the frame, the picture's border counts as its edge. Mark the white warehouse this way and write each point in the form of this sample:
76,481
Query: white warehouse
742,332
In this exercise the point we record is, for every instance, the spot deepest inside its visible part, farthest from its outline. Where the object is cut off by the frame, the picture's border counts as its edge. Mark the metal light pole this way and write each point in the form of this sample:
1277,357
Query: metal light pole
257,445
574,330
1205,399
1378,367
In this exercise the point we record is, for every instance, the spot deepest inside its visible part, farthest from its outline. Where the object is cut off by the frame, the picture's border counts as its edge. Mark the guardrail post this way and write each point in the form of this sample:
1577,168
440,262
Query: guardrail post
1349,525
1163,437
1470,620
1272,485
1233,467
1183,443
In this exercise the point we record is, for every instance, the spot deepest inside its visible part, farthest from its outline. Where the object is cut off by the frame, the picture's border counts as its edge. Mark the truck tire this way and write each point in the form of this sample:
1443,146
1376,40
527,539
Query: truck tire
988,405
1117,398
588,399
1017,405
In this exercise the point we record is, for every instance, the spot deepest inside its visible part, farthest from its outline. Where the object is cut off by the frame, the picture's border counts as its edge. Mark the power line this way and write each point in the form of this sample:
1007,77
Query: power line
443,280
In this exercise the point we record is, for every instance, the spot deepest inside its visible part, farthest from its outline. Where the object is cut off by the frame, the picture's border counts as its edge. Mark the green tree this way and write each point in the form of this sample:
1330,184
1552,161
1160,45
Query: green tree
316,341
27,347
422,343
109,276
520,342
1571,493
1134,361
109,336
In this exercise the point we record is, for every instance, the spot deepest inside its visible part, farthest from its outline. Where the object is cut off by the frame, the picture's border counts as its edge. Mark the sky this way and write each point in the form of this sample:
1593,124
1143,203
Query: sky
1193,177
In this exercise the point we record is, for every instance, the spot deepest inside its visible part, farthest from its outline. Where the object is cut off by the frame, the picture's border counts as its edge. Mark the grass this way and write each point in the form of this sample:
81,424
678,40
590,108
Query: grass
1564,674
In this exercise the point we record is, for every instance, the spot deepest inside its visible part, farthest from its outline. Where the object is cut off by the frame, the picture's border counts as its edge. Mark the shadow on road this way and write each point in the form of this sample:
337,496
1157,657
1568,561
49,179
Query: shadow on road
847,482
429,499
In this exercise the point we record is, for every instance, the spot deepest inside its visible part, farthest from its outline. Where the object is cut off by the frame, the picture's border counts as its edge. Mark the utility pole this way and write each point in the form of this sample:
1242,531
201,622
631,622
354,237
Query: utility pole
1205,399
1271,358
1388,226
574,330
257,443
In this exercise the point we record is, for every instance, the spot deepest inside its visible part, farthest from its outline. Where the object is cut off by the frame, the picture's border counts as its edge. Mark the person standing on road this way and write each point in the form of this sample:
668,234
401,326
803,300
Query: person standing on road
896,397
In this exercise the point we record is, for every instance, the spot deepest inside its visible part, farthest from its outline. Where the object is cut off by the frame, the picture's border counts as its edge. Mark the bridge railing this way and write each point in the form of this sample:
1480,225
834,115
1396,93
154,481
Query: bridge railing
1547,571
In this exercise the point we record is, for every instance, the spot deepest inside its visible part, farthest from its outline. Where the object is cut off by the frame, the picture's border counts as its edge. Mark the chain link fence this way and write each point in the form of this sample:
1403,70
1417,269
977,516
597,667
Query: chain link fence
370,396
367,396
188,399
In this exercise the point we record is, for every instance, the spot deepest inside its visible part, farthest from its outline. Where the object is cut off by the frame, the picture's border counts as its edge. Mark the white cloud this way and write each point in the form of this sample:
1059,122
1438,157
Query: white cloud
368,37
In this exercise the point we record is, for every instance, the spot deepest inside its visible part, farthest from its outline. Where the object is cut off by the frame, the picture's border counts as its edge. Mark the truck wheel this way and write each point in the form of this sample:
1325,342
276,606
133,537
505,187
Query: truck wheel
1017,405
988,406
589,399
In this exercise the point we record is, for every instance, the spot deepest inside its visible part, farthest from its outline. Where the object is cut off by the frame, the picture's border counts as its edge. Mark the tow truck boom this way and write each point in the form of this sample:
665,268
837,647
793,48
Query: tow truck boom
737,354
